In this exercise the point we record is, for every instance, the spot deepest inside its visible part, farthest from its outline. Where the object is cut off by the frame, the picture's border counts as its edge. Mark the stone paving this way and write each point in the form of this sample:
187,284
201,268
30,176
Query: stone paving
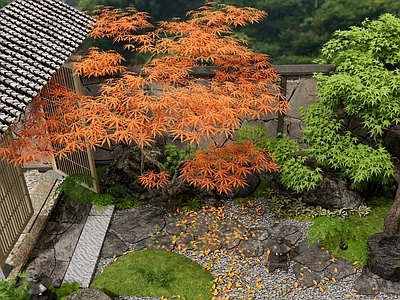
55,247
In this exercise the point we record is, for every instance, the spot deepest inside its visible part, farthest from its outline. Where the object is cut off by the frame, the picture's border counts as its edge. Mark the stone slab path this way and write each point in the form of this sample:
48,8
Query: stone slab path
55,247
86,254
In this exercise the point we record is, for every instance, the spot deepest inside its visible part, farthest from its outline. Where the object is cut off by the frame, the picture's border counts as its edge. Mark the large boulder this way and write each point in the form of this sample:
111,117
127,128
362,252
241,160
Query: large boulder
385,254
89,294
125,170
332,192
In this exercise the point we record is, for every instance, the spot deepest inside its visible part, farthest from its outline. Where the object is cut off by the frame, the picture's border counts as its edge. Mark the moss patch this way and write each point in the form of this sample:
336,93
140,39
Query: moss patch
155,273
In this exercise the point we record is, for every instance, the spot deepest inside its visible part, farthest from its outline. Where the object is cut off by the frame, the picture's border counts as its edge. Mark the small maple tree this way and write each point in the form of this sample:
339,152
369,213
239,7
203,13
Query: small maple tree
193,111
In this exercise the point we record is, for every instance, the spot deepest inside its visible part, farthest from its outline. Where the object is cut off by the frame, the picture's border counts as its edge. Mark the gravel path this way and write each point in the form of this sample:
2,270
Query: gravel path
250,278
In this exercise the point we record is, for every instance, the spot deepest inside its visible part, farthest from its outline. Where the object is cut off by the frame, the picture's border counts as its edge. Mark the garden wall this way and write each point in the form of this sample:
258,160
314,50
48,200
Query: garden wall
297,83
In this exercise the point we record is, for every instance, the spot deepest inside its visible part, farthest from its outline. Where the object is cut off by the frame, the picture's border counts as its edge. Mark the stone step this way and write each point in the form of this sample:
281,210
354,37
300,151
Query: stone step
84,259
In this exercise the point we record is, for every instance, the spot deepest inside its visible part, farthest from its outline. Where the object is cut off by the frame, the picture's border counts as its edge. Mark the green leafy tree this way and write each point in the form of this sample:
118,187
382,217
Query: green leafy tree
4,2
159,10
295,30
363,90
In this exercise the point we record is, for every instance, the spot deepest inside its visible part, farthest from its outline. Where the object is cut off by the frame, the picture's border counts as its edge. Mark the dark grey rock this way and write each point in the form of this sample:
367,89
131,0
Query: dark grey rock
339,269
251,247
385,253
389,287
332,192
314,257
138,224
172,227
367,284
41,260
253,181
57,276
260,234
68,211
125,170
289,232
89,294
65,243
305,276
113,245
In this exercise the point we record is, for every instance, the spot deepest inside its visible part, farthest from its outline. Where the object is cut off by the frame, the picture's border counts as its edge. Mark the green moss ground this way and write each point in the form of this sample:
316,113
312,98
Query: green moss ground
155,273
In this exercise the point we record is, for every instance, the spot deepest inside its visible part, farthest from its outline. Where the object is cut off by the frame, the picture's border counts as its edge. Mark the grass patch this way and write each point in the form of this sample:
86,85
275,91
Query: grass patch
372,223
155,273
72,188
347,238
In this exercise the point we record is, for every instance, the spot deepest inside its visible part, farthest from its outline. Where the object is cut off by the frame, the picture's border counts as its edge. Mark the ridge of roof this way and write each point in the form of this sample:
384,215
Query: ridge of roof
36,38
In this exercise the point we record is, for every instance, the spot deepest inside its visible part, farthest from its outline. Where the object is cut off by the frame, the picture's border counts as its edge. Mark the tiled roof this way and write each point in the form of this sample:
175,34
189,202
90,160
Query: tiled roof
36,38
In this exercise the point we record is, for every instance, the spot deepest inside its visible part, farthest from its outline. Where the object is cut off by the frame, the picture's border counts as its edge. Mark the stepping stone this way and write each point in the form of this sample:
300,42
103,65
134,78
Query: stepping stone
258,233
87,251
339,269
252,248
305,276
138,224
113,245
367,284
314,257
389,287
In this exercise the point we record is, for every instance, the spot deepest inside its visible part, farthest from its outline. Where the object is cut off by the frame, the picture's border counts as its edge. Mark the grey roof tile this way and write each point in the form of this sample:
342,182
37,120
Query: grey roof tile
36,38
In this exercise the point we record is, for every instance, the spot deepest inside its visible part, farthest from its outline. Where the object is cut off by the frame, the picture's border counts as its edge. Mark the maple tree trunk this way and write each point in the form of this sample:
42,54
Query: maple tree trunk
392,218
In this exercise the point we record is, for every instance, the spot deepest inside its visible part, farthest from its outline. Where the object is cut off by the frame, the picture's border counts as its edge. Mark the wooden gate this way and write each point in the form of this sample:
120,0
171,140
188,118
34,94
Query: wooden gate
15,205
80,162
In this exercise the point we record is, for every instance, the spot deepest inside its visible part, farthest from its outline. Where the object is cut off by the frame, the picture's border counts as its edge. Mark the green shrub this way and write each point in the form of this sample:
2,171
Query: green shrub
295,174
156,276
13,289
193,204
73,189
349,243
172,157
65,290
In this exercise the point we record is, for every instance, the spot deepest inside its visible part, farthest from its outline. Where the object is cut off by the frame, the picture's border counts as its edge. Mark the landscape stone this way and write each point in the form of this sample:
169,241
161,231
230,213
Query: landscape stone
385,253
305,276
142,223
389,287
367,284
339,269
314,257
125,170
251,247
331,192
67,211
89,294
289,232
253,181
113,245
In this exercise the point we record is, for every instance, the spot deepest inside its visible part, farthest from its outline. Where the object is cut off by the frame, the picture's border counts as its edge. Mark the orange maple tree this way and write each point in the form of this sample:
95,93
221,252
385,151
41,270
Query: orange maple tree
164,99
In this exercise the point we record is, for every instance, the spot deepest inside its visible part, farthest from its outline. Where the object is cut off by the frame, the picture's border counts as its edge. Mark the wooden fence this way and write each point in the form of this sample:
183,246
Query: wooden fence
15,205
80,162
